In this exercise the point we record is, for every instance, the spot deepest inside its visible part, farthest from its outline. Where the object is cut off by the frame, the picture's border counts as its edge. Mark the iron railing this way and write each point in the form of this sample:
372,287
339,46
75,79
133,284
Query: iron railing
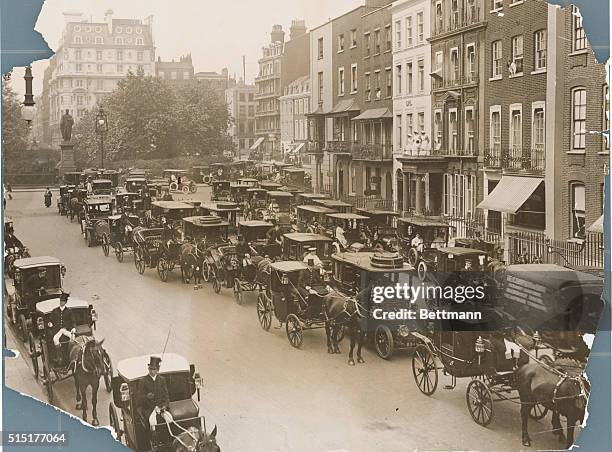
516,159
362,151
456,20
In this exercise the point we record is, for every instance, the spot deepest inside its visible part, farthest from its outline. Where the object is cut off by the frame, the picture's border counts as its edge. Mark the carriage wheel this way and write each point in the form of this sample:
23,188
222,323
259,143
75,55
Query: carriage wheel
173,186
90,239
479,402
105,244
422,270
206,272
215,283
294,331
264,311
108,374
424,370
139,261
538,411
114,421
193,188
23,328
119,251
185,189
162,269
383,341
413,256
33,354
238,295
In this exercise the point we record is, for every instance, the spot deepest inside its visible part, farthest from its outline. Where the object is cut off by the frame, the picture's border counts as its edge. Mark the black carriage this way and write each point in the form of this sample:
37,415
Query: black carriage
221,265
304,199
279,209
254,232
147,243
219,172
135,184
63,199
454,265
102,187
35,279
72,178
172,211
361,271
226,210
119,236
420,237
12,253
96,210
250,182
131,425
355,236
201,174
294,177
312,218
296,245
128,202
255,203
238,192
56,362
382,228
168,256
334,204
270,186
221,190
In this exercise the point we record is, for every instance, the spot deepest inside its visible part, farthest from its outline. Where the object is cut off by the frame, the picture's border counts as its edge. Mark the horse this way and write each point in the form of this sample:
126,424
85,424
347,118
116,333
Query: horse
189,261
564,394
74,206
87,355
196,440
347,313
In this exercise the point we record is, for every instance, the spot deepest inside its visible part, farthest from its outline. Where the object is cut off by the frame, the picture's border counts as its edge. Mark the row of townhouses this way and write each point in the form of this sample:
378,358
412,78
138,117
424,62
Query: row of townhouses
487,112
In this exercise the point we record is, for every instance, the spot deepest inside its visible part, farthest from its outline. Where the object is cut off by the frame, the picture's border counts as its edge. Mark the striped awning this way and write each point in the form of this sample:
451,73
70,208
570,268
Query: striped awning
257,143
374,113
510,193
597,226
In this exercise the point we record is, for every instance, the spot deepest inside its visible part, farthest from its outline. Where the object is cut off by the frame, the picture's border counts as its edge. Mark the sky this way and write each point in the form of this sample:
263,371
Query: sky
217,34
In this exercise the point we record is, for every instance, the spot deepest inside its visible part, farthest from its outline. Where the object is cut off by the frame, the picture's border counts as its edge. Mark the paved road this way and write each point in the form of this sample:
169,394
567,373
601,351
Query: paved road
263,394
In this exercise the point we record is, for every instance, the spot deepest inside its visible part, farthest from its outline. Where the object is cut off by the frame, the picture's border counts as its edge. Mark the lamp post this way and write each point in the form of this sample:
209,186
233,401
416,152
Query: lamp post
101,129
28,110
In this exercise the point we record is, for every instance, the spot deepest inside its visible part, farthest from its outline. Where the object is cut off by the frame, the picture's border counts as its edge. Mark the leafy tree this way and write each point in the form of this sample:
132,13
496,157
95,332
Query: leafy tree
14,128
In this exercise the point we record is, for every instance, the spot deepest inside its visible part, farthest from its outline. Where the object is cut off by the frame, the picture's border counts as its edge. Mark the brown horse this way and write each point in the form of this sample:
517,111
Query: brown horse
87,355
195,440
344,313
565,395
189,259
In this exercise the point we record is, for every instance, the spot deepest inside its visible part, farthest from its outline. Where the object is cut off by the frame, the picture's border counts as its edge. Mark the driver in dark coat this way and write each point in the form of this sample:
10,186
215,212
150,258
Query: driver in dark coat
153,395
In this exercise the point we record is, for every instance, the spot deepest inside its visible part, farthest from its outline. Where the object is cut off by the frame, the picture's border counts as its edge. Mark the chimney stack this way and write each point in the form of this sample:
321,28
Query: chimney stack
298,28
277,34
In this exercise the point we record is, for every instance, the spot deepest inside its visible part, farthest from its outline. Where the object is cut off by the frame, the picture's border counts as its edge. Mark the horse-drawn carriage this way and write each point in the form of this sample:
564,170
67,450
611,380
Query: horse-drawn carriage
221,190
255,234
201,174
420,237
297,244
269,185
238,192
293,177
13,249
66,360
382,228
227,210
126,201
312,218
172,211
96,210
354,235
255,203
119,236
135,184
63,200
34,279
334,204
279,209
102,187
131,425
361,271
147,243
75,205
304,199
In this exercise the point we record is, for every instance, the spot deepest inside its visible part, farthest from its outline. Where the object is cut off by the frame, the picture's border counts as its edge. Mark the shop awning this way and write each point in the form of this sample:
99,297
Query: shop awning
345,106
298,148
374,113
597,226
318,112
257,143
510,193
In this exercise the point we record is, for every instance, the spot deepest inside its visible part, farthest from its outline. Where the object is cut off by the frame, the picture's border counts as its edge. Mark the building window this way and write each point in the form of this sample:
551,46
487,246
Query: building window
368,87
320,48
454,14
377,84
398,35
98,68
98,55
366,38
320,86
409,31
421,122
454,65
495,132
452,130
517,56
409,78
119,41
398,131
579,118
580,42
538,128
353,78
119,55
77,55
539,40
376,42
78,40
341,81
390,82
118,29
437,129
398,80
470,59
139,56
99,40
421,75
439,24
120,68
388,37
173,75
516,136
606,116
139,41
496,58
409,128
469,131
578,197
496,5
79,67
420,27
353,38
341,42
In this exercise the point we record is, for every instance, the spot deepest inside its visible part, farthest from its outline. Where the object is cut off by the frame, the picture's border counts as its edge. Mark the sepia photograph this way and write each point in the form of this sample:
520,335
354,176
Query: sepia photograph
348,225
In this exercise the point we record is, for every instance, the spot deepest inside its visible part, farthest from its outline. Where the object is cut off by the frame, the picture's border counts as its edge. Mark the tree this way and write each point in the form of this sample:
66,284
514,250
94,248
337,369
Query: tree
14,128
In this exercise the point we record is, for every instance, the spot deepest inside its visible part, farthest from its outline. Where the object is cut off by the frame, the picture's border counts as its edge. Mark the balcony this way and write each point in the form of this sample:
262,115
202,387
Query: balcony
262,78
457,21
516,159
361,151
315,147
451,152
454,82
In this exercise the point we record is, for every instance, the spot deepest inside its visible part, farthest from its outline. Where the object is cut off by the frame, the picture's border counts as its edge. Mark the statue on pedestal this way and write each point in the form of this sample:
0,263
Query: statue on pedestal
66,126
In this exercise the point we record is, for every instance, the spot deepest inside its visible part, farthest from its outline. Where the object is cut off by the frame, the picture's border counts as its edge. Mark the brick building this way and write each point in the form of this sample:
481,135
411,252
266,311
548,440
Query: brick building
294,106
175,70
241,103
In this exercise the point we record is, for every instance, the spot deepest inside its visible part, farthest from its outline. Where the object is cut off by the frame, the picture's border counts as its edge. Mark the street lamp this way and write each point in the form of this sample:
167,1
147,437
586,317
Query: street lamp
28,110
101,129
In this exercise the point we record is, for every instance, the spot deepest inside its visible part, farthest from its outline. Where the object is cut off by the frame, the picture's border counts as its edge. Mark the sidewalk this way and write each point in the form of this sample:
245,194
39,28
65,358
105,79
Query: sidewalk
17,374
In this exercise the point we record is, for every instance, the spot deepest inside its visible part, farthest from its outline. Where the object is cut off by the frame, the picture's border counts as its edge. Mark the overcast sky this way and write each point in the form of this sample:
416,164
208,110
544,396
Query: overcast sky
217,34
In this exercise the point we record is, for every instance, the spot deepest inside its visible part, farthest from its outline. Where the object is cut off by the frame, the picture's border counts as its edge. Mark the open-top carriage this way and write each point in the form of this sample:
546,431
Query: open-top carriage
147,243
119,236
361,271
186,186
131,424
96,210
35,279
58,363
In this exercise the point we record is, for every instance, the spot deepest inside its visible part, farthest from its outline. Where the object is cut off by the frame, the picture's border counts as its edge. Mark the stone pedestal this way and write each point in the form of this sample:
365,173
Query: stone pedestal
66,164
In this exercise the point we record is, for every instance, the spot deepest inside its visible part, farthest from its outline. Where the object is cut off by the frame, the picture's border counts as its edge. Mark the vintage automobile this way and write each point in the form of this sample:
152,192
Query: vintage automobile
270,186
304,199
128,202
201,174
219,171
102,187
354,230
173,211
334,204
186,186
135,184
355,272
111,175
72,178
382,228
279,209
96,210
308,215
35,279
221,190
56,365
432,234
64,198
119,236
294,177
296,244
131,425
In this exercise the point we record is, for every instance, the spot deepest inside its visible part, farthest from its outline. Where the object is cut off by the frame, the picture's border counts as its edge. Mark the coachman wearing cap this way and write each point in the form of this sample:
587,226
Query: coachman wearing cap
62,322
154,399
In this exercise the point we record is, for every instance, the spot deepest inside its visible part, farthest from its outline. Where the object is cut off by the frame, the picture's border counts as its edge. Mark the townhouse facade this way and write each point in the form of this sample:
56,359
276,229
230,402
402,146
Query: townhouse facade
295,106
241,104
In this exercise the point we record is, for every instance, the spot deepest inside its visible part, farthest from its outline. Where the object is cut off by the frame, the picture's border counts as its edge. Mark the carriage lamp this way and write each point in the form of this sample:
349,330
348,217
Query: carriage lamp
480,348
481,259
125,392
94,315
40,323
284,279
326,276
197,379
63,270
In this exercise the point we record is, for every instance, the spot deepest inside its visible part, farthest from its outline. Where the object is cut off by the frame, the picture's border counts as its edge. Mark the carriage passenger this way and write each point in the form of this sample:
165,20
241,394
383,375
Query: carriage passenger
340,236
37,283
153,395
417,242
274,235
311,287
312,254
